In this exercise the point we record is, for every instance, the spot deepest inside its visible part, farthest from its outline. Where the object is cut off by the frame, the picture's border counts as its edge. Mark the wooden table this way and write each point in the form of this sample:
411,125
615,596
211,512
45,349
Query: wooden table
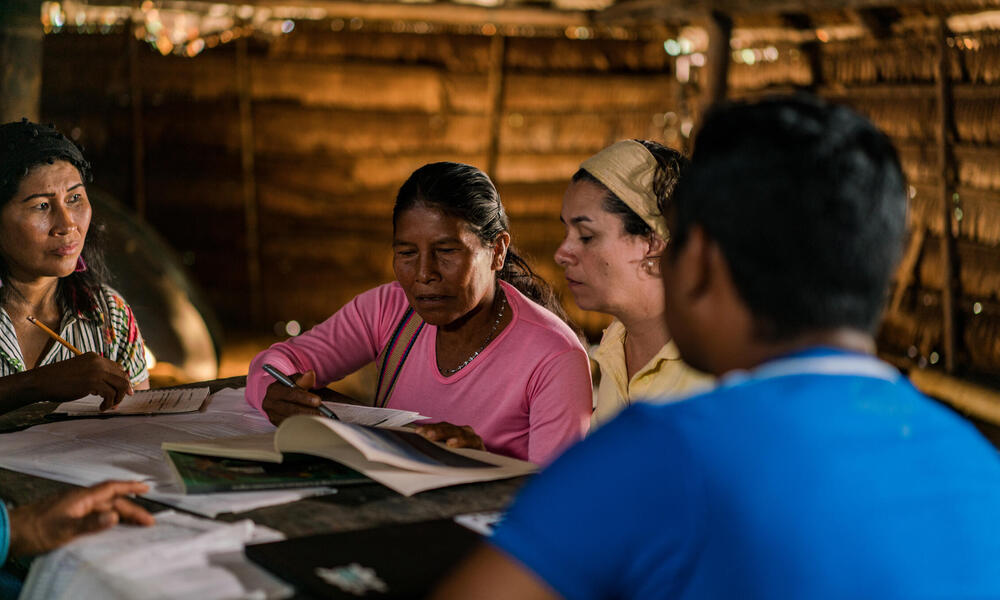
351,508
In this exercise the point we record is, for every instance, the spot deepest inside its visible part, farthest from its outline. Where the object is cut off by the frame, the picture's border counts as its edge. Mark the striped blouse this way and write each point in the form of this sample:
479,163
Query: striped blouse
121,342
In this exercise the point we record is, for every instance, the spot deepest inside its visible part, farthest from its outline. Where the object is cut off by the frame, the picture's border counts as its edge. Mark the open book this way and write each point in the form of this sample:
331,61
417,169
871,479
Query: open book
397,458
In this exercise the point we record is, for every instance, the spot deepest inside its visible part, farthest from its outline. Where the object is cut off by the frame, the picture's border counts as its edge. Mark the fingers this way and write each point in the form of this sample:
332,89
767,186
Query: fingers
306,380
131,512
279,411
452,436
109,497
114,382
101,497
108,490
281,402
92,523
301,397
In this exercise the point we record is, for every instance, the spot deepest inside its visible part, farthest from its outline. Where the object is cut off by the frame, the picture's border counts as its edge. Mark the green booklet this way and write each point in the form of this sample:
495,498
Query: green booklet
200,474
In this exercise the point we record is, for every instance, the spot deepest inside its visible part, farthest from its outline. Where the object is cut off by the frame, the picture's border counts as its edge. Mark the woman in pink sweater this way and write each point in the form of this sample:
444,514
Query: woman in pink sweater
491,362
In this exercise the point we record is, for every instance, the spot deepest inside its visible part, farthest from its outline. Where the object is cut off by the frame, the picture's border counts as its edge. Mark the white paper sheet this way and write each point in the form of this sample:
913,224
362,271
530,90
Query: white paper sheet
178,557
143,402
372,415
87,451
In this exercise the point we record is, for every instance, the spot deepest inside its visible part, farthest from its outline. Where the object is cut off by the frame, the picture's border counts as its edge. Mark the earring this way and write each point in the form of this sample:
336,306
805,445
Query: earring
80,265
651,266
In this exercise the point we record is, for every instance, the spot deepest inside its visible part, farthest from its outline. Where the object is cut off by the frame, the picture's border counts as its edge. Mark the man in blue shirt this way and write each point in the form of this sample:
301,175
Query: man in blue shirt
813,470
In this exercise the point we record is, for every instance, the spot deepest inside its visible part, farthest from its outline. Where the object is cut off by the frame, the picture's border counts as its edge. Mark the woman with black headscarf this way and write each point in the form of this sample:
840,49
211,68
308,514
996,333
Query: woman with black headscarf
51,270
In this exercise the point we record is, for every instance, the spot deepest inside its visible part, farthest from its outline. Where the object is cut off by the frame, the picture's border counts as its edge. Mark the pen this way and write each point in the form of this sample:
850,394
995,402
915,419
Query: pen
287,381
54,335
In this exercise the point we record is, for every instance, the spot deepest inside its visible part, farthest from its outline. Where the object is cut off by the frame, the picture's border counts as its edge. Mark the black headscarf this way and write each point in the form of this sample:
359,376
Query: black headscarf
24,144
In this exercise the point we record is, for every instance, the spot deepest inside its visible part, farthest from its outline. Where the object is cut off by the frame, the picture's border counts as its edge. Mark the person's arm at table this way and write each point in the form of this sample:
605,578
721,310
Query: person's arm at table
342,344
489,574
42,526
89,373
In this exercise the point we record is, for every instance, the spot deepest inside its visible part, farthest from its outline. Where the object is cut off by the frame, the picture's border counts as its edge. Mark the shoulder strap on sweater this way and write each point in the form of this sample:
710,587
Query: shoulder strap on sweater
390,361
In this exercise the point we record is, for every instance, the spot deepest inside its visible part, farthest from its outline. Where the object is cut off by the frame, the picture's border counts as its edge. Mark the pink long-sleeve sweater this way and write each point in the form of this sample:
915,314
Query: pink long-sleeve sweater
528,394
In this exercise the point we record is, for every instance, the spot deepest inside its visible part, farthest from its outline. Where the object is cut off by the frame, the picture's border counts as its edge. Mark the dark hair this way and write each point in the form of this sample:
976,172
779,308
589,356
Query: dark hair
24,146
465,192
669,165
807,202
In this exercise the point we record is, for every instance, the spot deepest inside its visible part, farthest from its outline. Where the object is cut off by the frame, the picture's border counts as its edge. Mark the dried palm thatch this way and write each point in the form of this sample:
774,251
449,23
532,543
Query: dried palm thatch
980,212
916,333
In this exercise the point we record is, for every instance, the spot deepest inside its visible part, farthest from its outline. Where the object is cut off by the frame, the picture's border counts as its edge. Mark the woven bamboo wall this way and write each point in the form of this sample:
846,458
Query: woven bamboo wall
893,82
339,120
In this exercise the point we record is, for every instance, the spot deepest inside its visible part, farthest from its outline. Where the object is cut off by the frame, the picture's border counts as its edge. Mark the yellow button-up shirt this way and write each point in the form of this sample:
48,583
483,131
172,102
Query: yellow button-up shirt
663,379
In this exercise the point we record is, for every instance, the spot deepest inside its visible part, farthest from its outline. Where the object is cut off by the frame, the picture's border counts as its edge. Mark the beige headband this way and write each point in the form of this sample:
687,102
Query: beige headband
627,169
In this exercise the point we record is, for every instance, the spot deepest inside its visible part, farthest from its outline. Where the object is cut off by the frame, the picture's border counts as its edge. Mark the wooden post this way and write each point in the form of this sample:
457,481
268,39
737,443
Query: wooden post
495,87
720,31
247,165
138,139
947,169
20,59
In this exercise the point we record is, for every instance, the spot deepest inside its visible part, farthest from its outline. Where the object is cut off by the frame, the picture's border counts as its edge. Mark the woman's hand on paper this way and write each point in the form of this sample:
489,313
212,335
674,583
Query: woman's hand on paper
45,525
453,436
281,401
89,373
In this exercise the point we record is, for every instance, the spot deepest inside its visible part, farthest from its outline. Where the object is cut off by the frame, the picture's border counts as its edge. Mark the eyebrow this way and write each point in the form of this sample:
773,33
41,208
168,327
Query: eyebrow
444,240
51,194
575,220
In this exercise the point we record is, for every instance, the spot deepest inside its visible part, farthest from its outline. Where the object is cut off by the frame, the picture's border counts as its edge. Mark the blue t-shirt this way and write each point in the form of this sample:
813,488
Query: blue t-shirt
823,475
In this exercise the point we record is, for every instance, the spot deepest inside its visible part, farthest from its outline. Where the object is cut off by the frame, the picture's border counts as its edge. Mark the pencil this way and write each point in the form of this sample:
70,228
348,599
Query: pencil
55,335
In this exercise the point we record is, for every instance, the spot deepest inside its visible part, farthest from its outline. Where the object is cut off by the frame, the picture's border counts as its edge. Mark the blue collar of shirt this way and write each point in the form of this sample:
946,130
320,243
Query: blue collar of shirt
816,360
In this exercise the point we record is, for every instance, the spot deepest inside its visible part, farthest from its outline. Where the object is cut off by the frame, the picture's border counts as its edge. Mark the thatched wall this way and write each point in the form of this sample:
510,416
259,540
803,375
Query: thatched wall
893,81
339,119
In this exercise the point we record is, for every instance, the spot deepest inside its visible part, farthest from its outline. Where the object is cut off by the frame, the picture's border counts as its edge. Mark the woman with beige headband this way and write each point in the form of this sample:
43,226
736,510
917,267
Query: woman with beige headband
615,233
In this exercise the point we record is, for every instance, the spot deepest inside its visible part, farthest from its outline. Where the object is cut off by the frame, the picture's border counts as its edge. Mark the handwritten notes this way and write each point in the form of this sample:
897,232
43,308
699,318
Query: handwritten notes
146,402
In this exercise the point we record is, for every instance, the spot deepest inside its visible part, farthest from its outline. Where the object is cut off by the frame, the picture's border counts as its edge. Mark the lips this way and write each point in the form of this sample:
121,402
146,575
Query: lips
67,250
431,298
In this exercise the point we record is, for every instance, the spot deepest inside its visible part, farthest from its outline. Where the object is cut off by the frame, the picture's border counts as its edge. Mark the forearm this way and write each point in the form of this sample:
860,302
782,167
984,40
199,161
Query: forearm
21,389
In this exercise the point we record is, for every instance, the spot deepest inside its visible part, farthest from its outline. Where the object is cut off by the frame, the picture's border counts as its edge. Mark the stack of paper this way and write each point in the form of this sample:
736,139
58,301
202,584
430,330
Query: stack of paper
178,557
88,451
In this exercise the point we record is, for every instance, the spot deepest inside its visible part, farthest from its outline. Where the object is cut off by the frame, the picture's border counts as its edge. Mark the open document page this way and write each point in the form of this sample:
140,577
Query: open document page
87,451
145,402
179,557
397,458
373,415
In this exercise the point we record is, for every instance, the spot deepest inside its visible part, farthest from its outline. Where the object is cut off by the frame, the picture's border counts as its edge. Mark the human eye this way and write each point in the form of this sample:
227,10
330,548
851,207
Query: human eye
40,206
76,198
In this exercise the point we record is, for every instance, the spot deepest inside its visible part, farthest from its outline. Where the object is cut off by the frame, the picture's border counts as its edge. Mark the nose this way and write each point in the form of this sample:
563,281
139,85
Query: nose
564,256
63,220
426,268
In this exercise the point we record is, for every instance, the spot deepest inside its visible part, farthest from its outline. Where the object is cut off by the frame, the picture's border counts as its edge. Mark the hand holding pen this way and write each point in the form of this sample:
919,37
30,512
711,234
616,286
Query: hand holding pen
85,373
288,396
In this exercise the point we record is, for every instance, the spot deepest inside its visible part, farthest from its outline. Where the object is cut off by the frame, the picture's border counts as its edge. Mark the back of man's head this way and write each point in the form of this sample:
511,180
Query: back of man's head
808,204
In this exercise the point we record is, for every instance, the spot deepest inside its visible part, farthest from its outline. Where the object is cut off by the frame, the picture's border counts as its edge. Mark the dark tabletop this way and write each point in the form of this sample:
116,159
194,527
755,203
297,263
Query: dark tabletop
351,508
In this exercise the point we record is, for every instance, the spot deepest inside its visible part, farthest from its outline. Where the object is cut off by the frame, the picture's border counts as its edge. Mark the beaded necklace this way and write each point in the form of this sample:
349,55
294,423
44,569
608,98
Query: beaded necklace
486,342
